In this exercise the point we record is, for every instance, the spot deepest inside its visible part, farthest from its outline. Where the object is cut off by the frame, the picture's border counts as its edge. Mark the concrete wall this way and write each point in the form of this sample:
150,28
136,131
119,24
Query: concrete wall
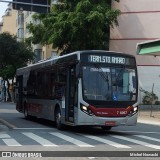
9,23
139,22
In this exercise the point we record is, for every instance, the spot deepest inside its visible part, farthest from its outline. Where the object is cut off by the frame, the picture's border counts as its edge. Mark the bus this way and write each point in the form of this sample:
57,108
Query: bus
93,87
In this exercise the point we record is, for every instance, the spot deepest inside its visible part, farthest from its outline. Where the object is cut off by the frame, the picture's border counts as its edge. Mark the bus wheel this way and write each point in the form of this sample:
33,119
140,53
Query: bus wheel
26,116
58,119
106,128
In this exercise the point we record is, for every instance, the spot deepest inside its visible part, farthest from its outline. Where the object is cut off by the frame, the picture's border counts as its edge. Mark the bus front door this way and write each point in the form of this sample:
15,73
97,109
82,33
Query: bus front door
70,93
19,93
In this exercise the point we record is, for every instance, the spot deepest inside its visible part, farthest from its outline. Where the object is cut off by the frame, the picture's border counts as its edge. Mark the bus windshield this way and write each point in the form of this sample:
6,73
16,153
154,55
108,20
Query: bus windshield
109,83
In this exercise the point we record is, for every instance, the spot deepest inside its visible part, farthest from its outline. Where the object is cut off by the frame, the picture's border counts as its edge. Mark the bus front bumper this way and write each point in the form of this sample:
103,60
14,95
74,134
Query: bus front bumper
85,119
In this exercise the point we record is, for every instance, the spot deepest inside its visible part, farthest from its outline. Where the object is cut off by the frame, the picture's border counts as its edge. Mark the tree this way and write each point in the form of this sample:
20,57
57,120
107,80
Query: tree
149,97
13,55
75,25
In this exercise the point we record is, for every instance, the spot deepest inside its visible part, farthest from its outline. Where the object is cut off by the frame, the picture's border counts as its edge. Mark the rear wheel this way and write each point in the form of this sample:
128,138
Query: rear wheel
59,125
106,128
26,116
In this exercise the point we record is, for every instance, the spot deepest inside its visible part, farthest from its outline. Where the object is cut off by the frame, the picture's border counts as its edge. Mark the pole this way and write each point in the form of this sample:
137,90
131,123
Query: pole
152,101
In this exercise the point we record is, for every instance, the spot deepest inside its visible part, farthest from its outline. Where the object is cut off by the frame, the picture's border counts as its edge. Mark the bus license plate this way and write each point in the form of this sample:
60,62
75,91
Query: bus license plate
110,123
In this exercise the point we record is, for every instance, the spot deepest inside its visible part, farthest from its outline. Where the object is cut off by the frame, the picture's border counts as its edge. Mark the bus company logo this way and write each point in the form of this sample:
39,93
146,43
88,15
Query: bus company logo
102,113
6,154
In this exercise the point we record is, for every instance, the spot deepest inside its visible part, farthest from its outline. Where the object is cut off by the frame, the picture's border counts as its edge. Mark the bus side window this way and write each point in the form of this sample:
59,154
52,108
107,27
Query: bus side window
53,81
31,84
59,83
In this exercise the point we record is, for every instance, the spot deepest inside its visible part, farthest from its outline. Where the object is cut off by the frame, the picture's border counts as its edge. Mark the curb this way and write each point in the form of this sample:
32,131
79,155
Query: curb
148,122
10,126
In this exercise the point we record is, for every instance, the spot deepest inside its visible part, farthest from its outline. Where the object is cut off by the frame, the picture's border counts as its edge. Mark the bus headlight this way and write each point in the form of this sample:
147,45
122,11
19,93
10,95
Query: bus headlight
133,111
86,110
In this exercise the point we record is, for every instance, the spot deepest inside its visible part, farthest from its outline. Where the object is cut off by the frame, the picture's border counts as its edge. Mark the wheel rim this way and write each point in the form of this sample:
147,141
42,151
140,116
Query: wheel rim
25,112
58,118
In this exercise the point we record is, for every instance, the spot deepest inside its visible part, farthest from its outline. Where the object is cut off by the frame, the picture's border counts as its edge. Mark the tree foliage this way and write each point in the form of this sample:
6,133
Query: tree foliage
13,55
149,97
75,25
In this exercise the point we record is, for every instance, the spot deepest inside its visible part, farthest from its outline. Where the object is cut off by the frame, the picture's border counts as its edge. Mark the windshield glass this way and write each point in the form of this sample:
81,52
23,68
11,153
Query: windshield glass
109,83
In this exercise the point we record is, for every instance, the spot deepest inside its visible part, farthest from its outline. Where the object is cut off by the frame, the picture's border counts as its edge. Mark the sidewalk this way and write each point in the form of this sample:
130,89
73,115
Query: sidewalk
149,118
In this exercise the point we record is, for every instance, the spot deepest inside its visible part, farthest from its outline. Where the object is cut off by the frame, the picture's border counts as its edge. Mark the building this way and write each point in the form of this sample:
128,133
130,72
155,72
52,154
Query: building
15,22
1,25
139,21
23,19
8,23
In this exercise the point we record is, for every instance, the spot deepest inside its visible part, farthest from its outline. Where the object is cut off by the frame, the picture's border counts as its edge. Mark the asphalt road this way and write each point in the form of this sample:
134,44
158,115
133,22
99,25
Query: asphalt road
18,134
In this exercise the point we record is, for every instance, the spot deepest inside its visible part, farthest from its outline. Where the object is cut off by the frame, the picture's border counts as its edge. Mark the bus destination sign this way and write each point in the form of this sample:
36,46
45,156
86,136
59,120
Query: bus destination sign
106,59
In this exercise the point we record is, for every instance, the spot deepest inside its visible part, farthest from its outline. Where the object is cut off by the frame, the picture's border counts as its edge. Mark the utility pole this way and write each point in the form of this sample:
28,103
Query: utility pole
152,101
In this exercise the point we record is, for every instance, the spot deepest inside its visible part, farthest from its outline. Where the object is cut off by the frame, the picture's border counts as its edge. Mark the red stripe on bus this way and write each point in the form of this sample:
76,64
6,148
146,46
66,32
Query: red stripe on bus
111,112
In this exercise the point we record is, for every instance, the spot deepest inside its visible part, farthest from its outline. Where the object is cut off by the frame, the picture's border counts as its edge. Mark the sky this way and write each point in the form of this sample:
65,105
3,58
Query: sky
3,7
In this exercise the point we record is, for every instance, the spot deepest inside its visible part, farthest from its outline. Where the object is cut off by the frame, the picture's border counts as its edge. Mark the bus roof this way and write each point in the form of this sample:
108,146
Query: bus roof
51,61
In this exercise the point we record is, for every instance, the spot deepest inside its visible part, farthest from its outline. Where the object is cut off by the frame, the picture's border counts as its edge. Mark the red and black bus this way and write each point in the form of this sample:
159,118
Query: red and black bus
95,88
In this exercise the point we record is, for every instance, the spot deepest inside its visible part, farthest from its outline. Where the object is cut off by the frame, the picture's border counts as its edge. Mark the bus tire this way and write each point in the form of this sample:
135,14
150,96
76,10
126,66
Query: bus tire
106,128
26,116
59,125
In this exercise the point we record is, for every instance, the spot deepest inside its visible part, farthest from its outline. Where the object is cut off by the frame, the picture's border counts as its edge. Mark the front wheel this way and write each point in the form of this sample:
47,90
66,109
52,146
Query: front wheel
58,119
106,128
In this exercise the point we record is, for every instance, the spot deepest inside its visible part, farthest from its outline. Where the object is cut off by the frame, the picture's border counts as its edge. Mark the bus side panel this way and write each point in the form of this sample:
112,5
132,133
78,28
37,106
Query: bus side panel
42,108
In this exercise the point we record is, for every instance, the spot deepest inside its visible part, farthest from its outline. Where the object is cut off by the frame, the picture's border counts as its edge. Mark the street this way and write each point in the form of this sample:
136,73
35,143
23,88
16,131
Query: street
18,134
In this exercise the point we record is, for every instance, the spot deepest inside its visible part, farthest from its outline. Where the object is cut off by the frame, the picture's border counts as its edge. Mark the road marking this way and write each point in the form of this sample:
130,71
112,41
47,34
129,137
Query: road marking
11,142
71,140
3,135
133,132
114,144
138,142
30,128
149,138
42,141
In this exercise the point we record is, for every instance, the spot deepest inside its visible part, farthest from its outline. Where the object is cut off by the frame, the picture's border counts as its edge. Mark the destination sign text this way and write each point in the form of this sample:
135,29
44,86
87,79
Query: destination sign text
106,59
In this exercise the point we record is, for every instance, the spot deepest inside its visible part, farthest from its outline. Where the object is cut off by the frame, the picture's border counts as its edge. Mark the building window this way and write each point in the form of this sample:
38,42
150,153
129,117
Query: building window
20,33
38,55
20,19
